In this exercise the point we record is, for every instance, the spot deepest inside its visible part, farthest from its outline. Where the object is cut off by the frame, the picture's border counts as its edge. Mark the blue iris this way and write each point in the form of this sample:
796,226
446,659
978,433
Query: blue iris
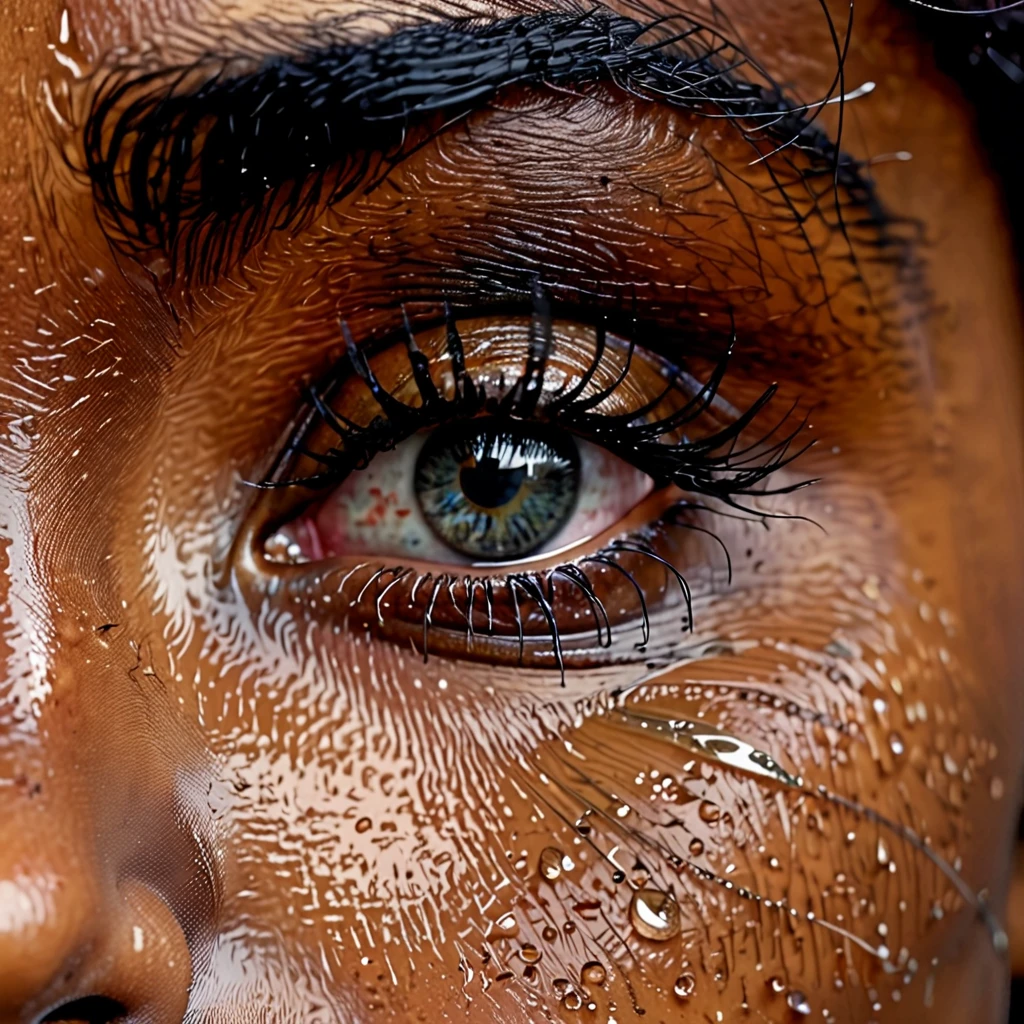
497,490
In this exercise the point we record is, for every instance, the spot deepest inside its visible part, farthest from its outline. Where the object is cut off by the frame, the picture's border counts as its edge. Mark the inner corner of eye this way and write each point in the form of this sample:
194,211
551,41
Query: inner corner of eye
471,493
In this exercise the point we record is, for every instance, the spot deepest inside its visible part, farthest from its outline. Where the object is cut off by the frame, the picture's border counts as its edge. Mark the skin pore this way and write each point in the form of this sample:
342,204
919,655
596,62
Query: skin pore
230,793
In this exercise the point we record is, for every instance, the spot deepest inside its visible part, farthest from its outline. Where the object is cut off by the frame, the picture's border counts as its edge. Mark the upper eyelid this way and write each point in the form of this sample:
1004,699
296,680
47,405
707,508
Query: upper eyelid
578,415
165,157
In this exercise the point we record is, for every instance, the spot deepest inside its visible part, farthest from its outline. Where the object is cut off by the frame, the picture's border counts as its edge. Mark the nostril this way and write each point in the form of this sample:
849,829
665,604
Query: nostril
87,1010
126,961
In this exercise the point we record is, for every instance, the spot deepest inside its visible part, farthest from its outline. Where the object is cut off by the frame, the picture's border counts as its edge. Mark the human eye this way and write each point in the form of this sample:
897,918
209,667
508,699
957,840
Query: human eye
513,486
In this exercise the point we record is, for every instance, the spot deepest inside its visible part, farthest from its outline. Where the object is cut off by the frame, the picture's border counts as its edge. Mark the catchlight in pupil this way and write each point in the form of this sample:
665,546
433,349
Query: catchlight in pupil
488,484
497,491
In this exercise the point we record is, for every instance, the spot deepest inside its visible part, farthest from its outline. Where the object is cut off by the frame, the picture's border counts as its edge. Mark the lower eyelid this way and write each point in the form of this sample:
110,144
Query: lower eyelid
425,608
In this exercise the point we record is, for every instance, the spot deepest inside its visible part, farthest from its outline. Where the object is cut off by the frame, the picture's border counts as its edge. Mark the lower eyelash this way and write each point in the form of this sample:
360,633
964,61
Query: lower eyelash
520,618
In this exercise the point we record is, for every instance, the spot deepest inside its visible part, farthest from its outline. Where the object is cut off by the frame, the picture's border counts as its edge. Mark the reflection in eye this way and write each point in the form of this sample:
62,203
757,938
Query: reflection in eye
492,442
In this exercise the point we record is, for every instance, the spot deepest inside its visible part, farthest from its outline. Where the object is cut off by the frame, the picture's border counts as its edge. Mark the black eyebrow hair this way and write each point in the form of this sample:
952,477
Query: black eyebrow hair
209,157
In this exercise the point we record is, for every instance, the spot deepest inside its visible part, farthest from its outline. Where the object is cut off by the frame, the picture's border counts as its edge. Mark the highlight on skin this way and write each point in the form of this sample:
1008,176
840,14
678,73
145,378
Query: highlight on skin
512,512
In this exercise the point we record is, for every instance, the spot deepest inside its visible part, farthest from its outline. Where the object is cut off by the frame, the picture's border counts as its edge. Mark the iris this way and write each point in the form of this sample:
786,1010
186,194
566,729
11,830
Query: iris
497,490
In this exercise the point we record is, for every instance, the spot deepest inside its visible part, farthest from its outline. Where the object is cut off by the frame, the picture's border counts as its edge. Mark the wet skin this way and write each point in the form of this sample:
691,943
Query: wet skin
229,794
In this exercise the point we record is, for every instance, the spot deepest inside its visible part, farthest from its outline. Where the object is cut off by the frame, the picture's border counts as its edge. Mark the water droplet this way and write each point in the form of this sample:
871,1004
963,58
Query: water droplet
710,744
709,812
883,853
639,876
505,927
655,914
996,788
548,933
685,986
363,824
593,973
529,954
776,984
896,743
572,1000
798,1003
696,847
550,863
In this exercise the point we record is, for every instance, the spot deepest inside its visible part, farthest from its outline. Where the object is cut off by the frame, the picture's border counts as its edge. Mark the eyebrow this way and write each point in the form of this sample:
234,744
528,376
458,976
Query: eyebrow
212,155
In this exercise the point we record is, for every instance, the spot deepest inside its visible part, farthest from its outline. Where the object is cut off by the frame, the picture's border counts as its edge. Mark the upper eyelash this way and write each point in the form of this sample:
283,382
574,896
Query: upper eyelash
711,466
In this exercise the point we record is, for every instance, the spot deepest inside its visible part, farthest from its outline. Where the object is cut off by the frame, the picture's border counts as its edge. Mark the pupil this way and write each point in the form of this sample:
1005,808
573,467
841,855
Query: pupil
488,485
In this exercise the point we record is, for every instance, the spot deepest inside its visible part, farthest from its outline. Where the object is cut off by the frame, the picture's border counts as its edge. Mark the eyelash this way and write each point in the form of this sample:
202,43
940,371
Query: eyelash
691,465
711,467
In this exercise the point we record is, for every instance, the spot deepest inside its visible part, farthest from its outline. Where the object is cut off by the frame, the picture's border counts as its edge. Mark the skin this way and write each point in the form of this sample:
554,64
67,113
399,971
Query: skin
213,811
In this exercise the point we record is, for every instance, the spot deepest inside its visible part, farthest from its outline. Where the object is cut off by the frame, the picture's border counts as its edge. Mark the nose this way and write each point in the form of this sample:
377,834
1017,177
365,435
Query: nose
73,951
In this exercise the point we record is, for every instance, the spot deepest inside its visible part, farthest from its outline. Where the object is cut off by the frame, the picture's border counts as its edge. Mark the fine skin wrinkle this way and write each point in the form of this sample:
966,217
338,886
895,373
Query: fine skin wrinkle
748,749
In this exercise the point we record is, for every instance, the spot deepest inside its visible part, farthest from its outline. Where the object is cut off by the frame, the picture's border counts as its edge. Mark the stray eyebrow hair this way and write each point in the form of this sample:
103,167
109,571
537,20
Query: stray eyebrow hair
210,158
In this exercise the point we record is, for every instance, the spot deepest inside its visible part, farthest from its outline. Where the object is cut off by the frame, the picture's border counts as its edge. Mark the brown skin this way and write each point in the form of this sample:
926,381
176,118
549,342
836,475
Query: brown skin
301,825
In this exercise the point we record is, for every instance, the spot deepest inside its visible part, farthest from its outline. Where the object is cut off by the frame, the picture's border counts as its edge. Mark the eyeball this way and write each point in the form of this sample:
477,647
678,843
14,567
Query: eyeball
481,491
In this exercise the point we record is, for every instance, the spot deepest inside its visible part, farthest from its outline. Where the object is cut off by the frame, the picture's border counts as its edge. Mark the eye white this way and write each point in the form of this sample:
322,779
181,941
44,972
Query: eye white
375,511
